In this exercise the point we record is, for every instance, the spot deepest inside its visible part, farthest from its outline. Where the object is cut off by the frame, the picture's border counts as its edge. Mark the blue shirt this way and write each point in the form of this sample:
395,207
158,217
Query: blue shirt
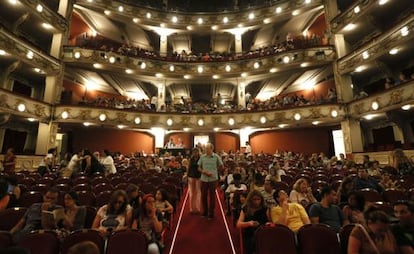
210,163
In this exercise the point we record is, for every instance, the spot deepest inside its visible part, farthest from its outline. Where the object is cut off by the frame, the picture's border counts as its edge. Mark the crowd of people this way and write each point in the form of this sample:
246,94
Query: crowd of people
285,188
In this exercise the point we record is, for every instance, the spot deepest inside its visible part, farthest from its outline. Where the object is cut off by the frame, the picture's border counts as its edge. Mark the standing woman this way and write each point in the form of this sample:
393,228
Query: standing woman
402,163
90,164
252,215
9,161
194,182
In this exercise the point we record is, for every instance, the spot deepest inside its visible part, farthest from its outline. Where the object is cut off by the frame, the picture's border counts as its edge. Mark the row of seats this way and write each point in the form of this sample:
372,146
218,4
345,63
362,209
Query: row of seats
48,242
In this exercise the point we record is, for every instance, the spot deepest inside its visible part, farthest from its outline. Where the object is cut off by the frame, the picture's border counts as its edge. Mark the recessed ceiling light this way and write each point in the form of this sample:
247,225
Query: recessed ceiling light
231,121
365,55
30,54
39,8
360,68
375,105
38,70
295,12
148,15
143,65
200,122
263,119
315,122
174,19
215,76
169,122
393,51
357,9
47,26
77,55
172,68
200,69
286,59
112,59
349,27
228,68
31,119
406,107
137,120
278,9
121,8
256,65
97,65
273,70
369,116
282,125
186,76
334,113
304,65
404,31
225,20
251,16
86,124
297,116
382,2
267,20
200,21
120,126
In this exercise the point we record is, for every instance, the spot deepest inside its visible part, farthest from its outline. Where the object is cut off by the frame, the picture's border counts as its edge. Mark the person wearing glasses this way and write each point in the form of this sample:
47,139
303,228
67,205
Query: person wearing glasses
33,219
114,216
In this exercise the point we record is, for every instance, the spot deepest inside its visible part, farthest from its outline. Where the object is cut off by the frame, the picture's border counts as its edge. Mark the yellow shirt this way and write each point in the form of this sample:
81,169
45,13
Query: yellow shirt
295,215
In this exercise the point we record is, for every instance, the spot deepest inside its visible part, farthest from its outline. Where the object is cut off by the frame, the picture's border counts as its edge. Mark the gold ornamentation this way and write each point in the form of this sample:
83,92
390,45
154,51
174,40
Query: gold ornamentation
3,100
247,118
39,110
85,114
121,117
279,116
358,108
315,113
396,97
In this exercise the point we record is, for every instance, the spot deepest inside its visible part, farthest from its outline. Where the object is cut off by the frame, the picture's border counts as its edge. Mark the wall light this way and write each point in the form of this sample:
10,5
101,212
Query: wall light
102,117
297,116
334,113
406,107
200,122
39,8
172,68
374,105
263,119
228,68
21,107
231,121
169,122
64,115
137,120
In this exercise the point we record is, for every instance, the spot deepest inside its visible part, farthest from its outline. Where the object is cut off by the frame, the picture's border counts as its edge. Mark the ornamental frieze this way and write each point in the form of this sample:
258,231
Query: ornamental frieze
121,117
85,114
315,113
396,97
39,110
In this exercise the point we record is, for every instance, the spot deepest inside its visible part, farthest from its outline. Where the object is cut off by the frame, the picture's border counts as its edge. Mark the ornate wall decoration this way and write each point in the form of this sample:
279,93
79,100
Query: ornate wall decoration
121,117
39,110
358,108
247,118
396,96
85,114
154,119
3,100
279,116
315,113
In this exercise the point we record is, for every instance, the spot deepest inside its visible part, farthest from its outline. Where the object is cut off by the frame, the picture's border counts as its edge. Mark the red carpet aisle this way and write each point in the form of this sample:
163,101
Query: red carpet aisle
200,235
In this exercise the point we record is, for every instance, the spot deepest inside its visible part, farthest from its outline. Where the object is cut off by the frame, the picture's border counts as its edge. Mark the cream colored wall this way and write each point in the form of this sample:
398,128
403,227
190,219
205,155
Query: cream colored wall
26,162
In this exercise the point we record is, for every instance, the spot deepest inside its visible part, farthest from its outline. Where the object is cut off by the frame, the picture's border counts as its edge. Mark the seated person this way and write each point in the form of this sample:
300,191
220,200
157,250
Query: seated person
291,215
326,212
363,181
236,185
149,221
33,219
268,192
302,193
353,210
163,205
4,195
75,215
252,215
404,230
114,216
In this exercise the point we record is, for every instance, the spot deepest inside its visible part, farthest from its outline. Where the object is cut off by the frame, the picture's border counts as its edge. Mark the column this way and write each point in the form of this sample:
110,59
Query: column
161,95
159,134
241,94
342,82
238,45
163,45
402,128
46,137
352,136
2,133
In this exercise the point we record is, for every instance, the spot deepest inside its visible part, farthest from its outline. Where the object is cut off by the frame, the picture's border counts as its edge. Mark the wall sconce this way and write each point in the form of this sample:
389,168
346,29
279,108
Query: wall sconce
137,120
21,107
263,119
334,113
297,116
200,122
169,122
231,121
375,105
64,115
102,117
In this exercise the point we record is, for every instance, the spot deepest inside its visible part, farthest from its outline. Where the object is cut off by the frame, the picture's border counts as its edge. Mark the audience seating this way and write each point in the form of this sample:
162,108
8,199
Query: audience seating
371,195
393,195
90,216
6,239
385,207
40,242
127,241
81,187
40,187
10,217
81,236
29,198
275,239
101,187
86,198
103,198
344,234
318,238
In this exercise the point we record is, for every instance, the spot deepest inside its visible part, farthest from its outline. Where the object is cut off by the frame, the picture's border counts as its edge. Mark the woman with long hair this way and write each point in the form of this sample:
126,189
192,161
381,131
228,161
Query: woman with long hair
302,193
252,215
114,216
402,163
9,161
194,184
149,220
74,214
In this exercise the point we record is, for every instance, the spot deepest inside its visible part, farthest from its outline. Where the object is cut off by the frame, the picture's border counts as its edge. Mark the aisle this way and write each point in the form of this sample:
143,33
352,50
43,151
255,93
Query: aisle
194,234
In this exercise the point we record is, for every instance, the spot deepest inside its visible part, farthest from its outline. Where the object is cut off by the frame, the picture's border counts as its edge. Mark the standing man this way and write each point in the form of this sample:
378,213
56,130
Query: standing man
208,165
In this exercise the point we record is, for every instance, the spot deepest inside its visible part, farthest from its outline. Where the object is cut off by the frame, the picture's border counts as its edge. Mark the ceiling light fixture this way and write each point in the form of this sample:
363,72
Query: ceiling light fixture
200,21
137,120
225,20
174,19
129,71
30,119
215,76
295,12
334,113
172,68
64,115
200,69
97,66
39,8
357,9
278,10
148,15
169,122
77,55
256,65
263,119
404,31
102,117
251,16
282,125
365,55
86,124
231,121
227,68
393,51
121,8
112,59
200,122
273,70
406,107
21,107
120,126
375,105
30,54
186,76
143,65
297,116
315,122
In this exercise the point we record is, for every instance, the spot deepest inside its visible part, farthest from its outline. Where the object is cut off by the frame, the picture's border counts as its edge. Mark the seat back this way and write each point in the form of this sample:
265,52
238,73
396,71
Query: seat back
40,242
274,240
128,241
81,236
6,239
10,217
318,238
344,234
90,216
86,198
29,198
371,195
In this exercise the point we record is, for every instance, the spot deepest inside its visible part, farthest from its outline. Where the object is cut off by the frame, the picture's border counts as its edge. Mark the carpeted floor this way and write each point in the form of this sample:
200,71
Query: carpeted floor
200,235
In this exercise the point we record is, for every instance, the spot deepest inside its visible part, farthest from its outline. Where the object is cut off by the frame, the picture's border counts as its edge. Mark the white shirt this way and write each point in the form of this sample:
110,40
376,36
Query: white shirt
109,165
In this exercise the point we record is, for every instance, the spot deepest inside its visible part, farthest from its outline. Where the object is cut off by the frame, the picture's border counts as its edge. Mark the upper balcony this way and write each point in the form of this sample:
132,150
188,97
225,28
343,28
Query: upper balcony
153,70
